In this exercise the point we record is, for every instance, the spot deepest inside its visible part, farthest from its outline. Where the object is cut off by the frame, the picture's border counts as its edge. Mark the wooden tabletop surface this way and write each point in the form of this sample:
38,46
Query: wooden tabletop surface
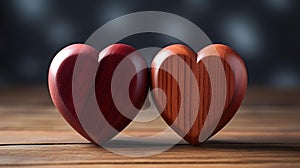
264,133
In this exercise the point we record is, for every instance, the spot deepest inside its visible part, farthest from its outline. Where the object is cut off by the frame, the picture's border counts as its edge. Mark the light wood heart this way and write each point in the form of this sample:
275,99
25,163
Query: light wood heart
202,92
92,83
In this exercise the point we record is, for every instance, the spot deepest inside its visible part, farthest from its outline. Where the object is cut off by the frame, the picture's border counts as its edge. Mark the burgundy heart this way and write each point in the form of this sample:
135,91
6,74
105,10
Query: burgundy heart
93,77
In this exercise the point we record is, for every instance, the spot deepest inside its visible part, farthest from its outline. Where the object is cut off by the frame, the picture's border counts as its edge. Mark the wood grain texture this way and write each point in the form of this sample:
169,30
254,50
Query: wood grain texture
78,70
211,153
172,75
262,134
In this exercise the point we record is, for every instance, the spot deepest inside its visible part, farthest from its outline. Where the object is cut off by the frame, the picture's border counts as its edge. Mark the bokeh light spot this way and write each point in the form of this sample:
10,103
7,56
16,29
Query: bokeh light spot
278,6
61,32
285,78
243,33
31,9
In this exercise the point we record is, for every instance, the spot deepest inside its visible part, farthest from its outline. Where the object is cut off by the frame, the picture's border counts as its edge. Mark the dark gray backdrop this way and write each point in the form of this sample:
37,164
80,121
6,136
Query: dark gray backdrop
264,32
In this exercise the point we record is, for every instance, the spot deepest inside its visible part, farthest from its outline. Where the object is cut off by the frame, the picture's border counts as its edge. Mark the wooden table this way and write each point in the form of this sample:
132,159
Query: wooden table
264,133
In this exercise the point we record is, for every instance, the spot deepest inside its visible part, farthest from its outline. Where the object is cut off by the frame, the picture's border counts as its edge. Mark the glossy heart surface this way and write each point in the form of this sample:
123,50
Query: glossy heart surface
202,91
91,95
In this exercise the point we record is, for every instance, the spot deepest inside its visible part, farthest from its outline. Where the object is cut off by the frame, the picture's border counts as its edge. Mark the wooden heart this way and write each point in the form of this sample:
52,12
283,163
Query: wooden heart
198,101
93,77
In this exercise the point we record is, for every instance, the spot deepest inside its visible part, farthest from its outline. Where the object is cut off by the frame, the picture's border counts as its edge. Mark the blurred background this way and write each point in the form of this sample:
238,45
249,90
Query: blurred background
264,32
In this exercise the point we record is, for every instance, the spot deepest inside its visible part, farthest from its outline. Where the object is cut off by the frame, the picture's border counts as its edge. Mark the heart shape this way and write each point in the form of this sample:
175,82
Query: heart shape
202,92
93,78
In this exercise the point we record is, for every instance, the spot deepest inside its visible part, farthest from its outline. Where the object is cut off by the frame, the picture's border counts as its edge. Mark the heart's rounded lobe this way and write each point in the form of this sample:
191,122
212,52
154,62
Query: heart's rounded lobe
237,81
